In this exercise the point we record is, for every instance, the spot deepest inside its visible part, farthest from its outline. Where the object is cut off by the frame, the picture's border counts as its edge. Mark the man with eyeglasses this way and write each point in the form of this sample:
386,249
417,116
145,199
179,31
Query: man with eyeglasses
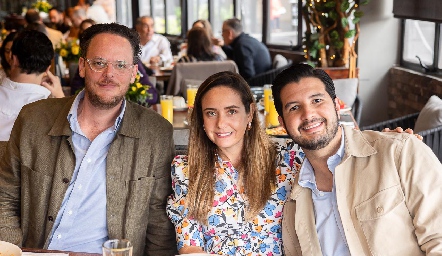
84,169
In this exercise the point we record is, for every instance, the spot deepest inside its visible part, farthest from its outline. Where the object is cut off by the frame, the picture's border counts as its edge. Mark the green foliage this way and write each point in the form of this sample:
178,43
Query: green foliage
350,33
321,16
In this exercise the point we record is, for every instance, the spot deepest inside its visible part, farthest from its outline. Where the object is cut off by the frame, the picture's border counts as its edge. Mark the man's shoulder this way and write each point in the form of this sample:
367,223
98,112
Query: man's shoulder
49,105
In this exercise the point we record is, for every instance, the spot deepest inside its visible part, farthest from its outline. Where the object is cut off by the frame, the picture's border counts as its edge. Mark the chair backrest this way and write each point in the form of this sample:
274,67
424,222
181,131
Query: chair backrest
346,89
195,72
267,77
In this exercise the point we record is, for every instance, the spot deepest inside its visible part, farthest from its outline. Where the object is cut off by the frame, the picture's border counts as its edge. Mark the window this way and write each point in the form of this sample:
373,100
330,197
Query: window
420,39
283,22
173,12
281,27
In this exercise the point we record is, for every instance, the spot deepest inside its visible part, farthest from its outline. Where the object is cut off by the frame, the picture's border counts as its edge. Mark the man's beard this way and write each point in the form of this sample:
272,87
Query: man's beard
103,103
320,142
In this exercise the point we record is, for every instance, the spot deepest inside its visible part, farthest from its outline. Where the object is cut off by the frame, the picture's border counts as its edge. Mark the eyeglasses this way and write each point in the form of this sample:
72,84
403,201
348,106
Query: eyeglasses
99,65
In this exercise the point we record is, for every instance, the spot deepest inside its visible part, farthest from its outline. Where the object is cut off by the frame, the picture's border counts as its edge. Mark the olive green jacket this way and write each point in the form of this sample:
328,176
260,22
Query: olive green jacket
39,162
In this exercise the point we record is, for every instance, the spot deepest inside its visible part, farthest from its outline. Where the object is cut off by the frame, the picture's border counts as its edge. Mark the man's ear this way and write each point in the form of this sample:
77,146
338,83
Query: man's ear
82,67
281,122
15,61
337,107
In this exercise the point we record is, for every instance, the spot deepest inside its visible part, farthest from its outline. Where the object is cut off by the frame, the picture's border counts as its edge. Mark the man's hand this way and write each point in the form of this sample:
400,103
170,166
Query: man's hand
400,130
156,60
53,84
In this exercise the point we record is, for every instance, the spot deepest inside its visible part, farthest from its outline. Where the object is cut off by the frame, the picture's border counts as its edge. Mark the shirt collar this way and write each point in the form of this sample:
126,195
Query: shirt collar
36,88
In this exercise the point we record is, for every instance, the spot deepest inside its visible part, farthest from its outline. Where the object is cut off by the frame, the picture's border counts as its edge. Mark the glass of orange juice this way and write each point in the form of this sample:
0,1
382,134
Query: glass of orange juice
166,102
191,93
272,115
267,94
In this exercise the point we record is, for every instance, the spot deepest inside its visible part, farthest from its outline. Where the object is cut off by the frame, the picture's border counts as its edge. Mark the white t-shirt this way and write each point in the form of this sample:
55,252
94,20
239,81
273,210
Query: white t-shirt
13,96
157,46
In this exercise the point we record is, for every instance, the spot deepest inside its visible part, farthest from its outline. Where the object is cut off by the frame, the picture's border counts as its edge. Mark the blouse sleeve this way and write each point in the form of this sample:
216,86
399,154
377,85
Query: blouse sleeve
188,231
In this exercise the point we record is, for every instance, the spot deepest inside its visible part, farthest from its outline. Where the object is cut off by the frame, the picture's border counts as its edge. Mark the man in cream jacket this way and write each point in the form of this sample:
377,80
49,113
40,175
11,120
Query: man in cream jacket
357,193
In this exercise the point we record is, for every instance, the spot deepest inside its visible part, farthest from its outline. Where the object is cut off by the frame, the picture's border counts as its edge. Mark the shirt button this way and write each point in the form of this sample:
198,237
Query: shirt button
58,236
79,186
65,180
379,209
50,218
70,212
321,194
89,160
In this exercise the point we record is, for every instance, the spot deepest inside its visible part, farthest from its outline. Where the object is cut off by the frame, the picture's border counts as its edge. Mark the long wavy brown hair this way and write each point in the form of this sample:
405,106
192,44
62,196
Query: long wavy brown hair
257,169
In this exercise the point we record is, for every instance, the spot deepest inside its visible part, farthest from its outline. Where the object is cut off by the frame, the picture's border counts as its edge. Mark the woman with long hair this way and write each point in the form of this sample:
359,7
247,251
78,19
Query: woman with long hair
199,47
229,190
6,55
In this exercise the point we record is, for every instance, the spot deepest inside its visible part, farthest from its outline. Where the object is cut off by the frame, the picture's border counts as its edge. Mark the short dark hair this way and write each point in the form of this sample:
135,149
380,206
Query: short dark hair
294,74
234,24
9,38
32,16
33,50
111,28
58,9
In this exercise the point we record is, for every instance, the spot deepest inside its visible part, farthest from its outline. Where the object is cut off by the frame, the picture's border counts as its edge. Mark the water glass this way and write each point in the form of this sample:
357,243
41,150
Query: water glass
166,102
117,247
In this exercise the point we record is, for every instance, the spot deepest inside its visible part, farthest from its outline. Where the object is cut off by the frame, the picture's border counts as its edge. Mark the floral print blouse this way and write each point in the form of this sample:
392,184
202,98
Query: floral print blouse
228,232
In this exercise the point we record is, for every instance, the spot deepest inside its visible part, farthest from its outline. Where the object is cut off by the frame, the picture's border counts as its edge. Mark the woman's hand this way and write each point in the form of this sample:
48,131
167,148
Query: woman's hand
400,130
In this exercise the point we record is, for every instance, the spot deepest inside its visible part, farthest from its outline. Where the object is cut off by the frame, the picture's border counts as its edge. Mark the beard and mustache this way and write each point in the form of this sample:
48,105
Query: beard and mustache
101,102
321,141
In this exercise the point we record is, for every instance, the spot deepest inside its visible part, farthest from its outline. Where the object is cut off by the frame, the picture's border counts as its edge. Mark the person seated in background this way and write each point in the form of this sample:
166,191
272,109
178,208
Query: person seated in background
30,79
56,16
33,16
199,47
357,192
93,167
229,190
76,14
155,48
215,42
251,56
6,55
96,11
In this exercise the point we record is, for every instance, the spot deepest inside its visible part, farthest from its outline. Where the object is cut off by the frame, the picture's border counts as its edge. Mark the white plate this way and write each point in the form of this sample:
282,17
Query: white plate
9,249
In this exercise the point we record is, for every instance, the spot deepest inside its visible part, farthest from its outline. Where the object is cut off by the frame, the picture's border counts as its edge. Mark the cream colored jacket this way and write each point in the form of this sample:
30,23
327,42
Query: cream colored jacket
389,195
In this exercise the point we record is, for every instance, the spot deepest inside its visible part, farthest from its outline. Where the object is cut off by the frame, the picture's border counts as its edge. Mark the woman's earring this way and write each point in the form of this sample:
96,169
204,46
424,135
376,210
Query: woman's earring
249,126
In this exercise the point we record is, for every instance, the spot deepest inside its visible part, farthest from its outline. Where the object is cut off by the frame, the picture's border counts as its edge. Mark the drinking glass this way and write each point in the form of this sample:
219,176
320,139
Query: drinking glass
191,93
267,94
117,247
272,115
166,102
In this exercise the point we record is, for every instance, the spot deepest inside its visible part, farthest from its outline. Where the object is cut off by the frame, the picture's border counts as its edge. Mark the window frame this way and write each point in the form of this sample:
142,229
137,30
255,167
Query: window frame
265,38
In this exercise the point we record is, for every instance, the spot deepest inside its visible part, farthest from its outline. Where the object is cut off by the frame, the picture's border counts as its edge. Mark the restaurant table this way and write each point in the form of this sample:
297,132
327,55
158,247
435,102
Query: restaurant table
161,73
49,251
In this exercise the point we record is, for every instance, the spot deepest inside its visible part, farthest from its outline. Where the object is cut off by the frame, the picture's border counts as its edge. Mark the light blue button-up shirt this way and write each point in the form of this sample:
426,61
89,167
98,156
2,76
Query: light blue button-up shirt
81,222
328,221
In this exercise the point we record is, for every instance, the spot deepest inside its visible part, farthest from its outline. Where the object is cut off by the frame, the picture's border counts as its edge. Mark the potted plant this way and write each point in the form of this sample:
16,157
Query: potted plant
330,26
